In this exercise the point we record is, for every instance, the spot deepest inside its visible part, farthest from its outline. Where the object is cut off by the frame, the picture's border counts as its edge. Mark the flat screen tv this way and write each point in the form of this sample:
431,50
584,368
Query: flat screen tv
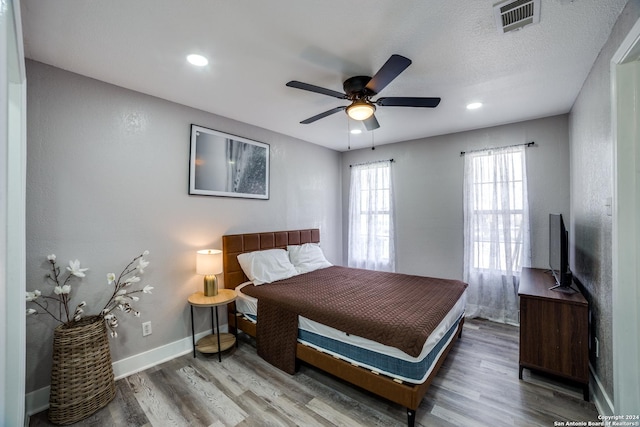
559,254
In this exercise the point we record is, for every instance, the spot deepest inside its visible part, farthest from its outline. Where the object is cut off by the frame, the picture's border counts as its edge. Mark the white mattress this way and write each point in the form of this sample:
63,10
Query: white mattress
248,305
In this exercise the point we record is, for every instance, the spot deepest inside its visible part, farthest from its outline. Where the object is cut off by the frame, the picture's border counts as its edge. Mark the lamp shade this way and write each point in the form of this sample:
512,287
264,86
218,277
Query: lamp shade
361,110
209,261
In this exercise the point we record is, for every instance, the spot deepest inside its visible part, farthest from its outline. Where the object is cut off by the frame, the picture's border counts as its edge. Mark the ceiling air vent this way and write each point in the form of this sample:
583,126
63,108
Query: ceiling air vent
514,14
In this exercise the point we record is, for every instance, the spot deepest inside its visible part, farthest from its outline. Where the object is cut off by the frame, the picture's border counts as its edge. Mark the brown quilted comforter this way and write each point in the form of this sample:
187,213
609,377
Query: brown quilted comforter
398,310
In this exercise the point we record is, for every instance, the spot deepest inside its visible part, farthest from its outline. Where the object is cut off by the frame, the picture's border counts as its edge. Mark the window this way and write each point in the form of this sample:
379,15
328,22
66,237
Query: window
371,219
497,209
496,231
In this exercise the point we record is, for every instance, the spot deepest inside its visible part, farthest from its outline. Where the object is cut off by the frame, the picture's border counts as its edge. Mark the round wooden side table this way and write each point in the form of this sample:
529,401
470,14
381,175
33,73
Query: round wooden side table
216,342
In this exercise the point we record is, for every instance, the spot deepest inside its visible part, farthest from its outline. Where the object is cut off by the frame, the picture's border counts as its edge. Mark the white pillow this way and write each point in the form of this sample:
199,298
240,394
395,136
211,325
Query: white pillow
266,266
307,257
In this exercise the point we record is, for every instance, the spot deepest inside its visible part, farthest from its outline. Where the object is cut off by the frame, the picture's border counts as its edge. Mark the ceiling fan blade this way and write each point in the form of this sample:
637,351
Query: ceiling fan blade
391,69
408,102
371,123
322,115
317,89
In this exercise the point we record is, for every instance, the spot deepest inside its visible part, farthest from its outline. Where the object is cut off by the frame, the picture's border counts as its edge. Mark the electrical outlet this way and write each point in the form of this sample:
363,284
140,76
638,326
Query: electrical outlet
597,346
146,329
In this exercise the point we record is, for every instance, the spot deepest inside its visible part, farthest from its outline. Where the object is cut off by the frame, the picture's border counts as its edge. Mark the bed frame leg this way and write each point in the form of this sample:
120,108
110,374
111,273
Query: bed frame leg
411,417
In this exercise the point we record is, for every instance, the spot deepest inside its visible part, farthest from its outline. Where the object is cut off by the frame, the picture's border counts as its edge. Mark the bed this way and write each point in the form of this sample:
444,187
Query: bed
403,380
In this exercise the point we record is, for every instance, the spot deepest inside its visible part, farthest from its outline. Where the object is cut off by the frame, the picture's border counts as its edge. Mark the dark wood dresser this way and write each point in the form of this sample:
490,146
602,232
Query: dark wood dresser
554,329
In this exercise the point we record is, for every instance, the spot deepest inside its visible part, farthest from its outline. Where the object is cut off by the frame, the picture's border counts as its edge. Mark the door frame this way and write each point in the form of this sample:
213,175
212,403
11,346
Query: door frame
12,216
625,110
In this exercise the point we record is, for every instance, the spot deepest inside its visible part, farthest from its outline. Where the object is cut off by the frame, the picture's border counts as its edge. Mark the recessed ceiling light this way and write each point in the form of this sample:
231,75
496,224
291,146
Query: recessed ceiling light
197,60
474,105
356,131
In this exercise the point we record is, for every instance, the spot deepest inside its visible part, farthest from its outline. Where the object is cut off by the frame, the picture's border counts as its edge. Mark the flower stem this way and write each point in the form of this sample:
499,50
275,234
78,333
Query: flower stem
45,308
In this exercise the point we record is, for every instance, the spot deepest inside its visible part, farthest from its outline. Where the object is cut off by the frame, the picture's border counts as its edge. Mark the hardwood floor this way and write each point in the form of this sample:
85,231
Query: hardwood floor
477,386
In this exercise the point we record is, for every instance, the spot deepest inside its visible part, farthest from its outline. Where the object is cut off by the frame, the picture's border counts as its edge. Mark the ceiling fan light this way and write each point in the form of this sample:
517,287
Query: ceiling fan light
361,110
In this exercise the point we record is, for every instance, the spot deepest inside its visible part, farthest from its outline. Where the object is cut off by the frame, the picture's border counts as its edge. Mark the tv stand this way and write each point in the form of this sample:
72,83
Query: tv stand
554,329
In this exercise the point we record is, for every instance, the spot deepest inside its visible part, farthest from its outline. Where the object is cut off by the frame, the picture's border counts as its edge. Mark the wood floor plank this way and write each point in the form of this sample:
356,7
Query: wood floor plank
333,415
261,411
453,417
159,409
199,390
125,410
477,386
193,409
282,392
369,409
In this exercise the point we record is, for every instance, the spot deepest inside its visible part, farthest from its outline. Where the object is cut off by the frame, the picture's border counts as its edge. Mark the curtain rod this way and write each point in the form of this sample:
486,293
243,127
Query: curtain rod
370,163
528,144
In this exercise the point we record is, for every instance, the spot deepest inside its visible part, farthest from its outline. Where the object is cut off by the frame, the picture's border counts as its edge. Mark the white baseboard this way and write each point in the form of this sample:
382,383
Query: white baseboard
38,400
601,399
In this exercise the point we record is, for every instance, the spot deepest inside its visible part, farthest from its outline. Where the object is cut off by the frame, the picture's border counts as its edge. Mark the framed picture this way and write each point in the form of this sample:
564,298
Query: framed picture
227,165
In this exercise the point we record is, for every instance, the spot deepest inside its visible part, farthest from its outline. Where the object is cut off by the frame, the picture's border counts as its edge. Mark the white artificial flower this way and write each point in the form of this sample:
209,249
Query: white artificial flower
122,292
30,311
33,295
147,289
132,279
57,290
114,334
111,278
78,317
142,264
136,313
74,268
108,316
145,253
135,299
119,299
51,257
82,304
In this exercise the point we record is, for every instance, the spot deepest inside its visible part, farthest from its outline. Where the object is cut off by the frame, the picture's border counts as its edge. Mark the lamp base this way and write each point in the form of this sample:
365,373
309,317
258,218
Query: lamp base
210,285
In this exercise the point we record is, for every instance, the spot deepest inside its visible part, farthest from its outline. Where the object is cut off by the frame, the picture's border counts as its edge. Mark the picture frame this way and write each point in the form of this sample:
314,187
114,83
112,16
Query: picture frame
225,165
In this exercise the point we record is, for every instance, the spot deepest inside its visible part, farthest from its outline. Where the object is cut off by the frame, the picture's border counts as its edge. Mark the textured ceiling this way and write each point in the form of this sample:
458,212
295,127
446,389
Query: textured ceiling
255,47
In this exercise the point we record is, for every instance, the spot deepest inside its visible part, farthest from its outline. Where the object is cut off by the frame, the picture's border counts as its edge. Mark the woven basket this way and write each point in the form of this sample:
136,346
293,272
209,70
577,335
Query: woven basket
81,376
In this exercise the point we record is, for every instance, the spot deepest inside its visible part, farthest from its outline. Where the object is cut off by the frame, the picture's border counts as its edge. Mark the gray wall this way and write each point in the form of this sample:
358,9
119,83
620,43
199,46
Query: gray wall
591,138
428,179
108,178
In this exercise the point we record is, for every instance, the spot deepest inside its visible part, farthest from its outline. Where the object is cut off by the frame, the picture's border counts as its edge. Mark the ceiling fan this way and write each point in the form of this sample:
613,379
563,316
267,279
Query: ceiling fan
360,89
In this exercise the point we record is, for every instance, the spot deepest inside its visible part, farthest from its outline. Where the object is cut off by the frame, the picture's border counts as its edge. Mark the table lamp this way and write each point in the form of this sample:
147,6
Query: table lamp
208,264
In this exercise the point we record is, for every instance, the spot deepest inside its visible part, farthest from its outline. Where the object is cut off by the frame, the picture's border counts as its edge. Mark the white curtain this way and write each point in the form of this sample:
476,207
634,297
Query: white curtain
496,231
371,217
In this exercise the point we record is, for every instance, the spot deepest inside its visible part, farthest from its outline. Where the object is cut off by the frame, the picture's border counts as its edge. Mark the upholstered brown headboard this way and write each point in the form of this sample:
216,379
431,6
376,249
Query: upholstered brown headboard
236,244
